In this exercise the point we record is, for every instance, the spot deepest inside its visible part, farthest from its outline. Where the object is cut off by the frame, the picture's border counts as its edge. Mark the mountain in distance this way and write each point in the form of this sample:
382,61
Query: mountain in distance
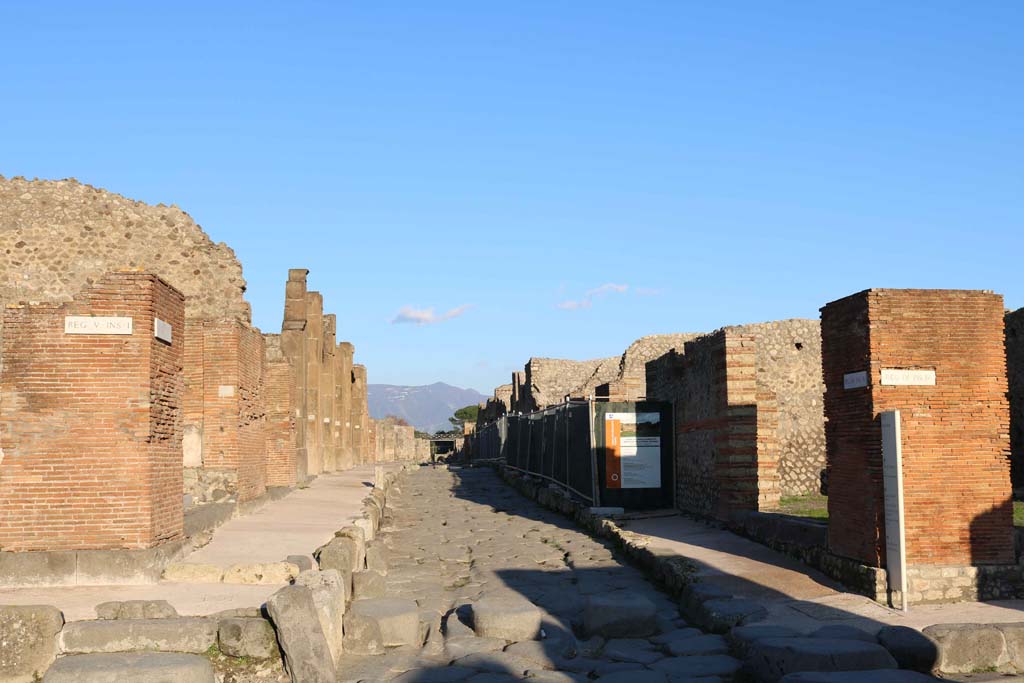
426,408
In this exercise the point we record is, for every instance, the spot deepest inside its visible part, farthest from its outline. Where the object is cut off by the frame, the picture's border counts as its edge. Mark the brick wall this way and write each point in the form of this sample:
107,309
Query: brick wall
1015,375
955,434
233,409
91,424
279,399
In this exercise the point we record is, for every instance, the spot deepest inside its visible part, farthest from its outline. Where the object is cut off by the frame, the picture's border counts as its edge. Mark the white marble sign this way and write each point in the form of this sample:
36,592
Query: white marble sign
895,523
898,377
855,380
87,324
225,390
162,330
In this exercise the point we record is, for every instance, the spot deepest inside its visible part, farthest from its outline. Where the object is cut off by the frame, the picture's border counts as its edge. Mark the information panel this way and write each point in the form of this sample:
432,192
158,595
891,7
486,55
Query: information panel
633,450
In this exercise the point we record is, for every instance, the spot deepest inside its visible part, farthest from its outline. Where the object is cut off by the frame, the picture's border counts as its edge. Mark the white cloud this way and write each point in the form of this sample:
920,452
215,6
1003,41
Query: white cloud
588,299
426,316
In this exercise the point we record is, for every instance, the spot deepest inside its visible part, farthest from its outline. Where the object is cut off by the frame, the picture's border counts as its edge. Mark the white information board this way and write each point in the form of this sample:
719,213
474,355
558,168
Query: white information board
895,527
633,446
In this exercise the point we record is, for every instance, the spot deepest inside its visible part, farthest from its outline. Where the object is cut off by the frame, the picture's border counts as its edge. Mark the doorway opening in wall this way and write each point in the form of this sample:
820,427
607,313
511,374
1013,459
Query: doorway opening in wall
809,506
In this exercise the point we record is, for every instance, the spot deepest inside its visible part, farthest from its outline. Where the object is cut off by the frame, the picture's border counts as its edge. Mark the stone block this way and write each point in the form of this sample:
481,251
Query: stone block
265,573
337,555
772,658
136,609
307,656
358,537
330,597
511,618
140,667
700,645
351,551
55,568
180,634
241,637
620,614
368,584
377,558
910,648
303,562
965,648
721,615
877,676
697,667
397,621
28,640
187,572
142,566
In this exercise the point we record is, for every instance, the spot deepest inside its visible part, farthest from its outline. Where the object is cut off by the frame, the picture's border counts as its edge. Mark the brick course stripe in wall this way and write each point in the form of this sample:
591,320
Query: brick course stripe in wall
956,465
91,424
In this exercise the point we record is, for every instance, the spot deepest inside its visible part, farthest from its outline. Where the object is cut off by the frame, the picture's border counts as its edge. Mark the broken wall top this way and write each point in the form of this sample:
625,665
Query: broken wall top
58,237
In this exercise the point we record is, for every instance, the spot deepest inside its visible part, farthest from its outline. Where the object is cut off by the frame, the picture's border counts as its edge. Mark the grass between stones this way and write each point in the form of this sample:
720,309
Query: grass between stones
810,505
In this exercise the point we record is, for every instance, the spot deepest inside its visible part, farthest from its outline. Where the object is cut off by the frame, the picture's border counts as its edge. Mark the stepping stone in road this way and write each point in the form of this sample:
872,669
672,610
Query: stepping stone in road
621,614
701,645
510,618
697,666
876,676
631,650
394,620
133,666
773,658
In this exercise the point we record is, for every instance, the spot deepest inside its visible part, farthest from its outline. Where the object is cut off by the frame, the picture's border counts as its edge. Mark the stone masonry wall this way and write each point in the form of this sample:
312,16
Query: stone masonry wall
91,427
58,237
1015,375
549,380
789,372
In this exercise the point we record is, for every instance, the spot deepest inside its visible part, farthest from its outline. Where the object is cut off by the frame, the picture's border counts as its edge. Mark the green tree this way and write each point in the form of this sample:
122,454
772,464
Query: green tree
463,415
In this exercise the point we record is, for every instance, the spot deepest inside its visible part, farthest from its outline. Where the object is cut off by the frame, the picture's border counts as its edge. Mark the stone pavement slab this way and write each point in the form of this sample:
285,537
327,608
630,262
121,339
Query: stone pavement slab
293,525
795,595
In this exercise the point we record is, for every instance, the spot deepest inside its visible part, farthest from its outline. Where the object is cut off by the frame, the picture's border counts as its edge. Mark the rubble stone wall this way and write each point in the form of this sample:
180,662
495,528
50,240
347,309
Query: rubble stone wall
91,425
58,237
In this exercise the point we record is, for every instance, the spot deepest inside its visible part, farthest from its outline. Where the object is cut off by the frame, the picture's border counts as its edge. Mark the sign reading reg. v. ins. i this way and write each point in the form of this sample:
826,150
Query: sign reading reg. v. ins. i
88,324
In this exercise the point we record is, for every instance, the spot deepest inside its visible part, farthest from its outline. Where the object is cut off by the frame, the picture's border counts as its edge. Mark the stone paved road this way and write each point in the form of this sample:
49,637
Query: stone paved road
463,538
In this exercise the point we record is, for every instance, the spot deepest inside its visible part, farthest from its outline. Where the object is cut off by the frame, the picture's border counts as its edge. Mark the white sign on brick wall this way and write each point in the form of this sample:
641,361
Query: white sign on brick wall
899,377
87,324
162,330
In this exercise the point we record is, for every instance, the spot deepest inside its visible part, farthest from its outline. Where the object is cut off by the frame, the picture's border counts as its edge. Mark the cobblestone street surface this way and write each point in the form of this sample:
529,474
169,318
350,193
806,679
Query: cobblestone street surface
506,590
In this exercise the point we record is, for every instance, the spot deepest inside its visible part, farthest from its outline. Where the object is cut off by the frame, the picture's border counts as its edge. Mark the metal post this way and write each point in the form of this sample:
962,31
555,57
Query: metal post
593,455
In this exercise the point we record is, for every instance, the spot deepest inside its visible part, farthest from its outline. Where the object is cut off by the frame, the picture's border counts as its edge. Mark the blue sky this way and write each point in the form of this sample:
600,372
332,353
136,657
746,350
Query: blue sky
516,179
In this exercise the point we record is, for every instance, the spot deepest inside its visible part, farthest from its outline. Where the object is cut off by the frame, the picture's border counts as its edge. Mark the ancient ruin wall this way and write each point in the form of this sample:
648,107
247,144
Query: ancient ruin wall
789,367
90,435
1015,374
549,380
58,237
